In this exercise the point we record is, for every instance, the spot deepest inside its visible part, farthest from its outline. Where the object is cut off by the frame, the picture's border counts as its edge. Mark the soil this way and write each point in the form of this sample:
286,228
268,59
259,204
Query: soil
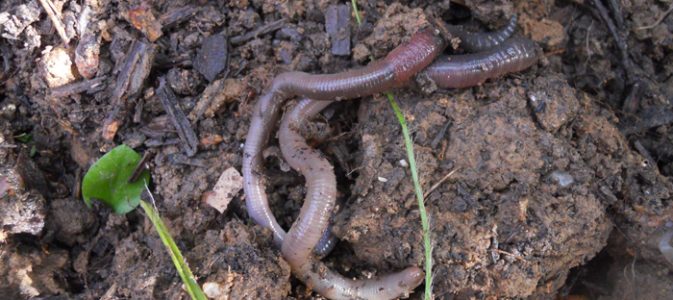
551,183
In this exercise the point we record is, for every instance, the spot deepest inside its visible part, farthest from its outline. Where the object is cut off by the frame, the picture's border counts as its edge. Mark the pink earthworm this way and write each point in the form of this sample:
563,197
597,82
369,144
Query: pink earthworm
315,213
395,70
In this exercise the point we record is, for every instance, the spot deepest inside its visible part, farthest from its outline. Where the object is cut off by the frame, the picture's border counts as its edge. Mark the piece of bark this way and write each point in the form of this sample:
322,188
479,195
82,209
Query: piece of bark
212,58
88,48
88,86
185,131
177,15
142,18
337,25
215,95
135,69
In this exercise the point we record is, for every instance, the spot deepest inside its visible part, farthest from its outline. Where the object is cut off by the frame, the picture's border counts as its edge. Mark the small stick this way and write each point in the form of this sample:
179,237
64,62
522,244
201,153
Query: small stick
436,185
89,86
617,13
641,149
185,131
261,30
55,18
140,167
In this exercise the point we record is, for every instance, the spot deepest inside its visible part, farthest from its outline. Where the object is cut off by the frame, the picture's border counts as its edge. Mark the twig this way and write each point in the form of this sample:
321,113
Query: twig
89,86
264,29
661,19
641,149
518,257
140,167
436,185
185,131
617,13
55,18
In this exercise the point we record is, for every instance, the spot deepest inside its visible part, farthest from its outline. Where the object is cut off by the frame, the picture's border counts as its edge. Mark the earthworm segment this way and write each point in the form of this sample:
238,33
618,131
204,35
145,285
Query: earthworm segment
480,41
466,70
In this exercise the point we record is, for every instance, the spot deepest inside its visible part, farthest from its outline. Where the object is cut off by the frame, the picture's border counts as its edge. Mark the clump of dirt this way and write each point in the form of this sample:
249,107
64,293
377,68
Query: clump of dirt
518,196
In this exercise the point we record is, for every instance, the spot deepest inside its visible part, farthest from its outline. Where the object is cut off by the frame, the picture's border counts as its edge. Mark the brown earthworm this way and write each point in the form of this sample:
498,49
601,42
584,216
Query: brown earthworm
395,70
314,218
477,42
466,70
305,235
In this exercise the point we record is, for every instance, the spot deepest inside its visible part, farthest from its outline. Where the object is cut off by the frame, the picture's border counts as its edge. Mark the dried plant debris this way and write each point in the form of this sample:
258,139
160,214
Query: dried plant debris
169,101
130,81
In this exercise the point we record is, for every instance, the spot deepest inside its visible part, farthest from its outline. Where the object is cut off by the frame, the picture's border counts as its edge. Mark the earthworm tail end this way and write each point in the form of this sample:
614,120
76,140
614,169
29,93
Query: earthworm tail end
477,42
460,71
332,285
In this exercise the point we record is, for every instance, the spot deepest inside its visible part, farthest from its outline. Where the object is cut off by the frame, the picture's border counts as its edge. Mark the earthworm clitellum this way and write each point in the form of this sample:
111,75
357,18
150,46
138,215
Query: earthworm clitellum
393,71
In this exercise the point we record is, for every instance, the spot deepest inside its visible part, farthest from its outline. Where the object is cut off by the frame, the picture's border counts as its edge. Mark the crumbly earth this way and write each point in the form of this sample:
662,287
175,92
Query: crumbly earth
554,182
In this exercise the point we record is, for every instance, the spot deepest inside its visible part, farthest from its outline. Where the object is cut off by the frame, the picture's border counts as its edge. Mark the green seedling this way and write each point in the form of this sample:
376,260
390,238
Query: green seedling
108,182
418,190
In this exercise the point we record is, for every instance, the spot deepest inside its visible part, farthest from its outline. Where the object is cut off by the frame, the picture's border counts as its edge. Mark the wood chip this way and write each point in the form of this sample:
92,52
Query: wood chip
184,128
337,25
142,18
213,56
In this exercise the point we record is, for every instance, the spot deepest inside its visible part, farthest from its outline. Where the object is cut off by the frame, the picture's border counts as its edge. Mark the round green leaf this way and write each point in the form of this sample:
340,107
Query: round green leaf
107,180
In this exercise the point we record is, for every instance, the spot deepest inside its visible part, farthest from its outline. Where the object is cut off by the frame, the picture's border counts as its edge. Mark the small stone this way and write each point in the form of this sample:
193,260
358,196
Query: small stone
58,67
212,58
382,179
212,290
226,188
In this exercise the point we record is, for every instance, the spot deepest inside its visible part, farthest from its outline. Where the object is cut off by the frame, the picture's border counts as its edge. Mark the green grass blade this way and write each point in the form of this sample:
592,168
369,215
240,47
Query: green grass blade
419,195
418,190
193,288
357,13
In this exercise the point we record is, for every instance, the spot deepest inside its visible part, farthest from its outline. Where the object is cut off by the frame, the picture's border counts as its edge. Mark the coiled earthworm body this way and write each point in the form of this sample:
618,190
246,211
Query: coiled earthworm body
395,70
665,246
309,233
314,217
477,42
466,70
305,235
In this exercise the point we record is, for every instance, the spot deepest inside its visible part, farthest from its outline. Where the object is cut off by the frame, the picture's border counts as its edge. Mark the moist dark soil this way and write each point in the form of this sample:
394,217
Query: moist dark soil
552,183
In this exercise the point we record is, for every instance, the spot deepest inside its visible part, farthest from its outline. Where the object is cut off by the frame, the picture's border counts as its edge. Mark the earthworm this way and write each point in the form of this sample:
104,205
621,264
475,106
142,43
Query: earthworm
314,217
477,42
466,70
395,70
665,246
